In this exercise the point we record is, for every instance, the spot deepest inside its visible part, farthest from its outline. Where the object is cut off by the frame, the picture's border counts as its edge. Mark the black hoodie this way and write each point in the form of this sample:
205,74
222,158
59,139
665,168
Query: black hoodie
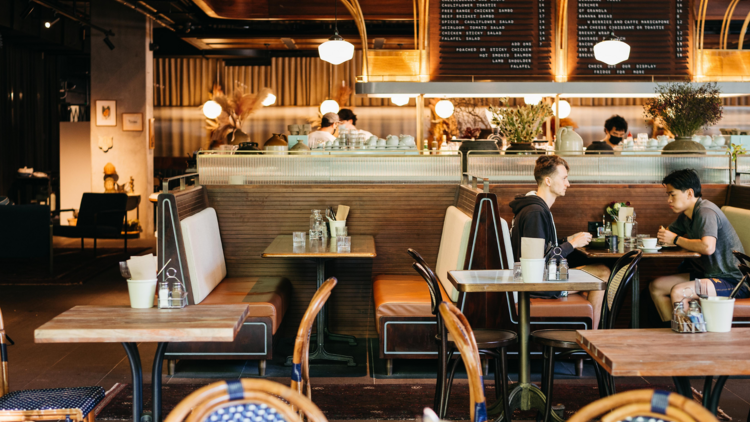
533,218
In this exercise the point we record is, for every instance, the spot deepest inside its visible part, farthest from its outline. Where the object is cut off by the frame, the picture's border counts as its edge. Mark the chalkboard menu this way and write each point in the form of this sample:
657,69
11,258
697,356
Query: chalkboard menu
659,33
498,39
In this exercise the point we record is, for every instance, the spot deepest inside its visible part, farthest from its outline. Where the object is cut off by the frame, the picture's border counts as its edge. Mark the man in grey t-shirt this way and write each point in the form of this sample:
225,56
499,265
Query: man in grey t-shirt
701,227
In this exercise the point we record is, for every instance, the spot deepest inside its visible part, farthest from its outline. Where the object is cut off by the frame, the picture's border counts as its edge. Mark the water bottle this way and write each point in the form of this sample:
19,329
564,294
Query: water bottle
315,221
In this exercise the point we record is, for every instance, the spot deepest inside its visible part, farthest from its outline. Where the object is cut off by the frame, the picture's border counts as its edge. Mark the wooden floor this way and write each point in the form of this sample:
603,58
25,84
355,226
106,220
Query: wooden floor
56,365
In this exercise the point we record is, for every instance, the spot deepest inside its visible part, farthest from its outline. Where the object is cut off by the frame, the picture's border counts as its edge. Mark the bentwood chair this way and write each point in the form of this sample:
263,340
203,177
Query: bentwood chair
72,404
744,259
460,330
491,343
300,363
645,405
243,399
622,275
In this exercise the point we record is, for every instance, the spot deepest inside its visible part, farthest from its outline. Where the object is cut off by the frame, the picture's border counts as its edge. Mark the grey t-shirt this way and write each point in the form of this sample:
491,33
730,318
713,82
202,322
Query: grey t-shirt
708,220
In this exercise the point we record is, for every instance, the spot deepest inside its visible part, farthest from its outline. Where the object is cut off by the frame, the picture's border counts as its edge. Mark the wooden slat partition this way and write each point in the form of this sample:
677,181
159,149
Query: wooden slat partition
739,196
466,199
190,201
398,216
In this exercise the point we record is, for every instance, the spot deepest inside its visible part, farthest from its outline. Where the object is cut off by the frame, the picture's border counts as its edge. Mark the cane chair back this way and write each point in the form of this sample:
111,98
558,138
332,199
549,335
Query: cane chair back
463,337
648,404
623,273
248,398
72,404
300,363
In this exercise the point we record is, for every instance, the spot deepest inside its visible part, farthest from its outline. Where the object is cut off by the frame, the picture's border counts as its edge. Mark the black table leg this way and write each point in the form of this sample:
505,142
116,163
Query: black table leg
682,384
635,307
131,349
711,396
156,380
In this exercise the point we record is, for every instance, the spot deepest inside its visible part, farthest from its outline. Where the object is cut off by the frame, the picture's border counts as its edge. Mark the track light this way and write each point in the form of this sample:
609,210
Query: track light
49,24
109,43
27,10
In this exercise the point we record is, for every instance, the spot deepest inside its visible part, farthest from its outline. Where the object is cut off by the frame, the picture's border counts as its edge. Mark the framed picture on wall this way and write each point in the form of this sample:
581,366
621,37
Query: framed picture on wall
151,133
132,122
106,113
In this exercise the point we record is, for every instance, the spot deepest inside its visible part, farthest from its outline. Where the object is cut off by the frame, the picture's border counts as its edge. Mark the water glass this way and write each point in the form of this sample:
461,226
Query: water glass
344,243
341,231
299,238
517,276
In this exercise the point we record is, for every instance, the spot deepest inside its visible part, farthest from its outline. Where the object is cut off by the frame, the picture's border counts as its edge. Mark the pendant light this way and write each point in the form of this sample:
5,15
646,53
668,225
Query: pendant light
329,106
270,99
564,109
400,100
211,109
336,50
532,99
444,109
611,51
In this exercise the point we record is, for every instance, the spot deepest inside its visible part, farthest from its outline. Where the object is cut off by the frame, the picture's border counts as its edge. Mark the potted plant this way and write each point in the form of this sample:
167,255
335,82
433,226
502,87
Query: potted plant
520,125
684,108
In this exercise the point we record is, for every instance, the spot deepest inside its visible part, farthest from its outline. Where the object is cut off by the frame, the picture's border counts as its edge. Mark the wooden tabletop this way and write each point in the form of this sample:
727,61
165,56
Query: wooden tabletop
664,252
118,324
283,247
662,352
502,281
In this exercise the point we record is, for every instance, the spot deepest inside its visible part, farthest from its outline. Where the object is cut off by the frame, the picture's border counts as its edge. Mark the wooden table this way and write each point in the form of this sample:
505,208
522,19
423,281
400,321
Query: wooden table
321,251
665,252
120,324
526,395
662,352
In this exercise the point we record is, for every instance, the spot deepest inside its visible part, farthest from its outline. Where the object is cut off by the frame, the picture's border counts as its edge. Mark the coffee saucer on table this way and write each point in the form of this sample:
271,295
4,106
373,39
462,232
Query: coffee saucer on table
651,250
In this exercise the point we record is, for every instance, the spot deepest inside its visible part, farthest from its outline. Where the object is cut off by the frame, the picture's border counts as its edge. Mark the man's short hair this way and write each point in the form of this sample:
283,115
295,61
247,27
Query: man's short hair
346,114
329,119
684,180
546,166
616,122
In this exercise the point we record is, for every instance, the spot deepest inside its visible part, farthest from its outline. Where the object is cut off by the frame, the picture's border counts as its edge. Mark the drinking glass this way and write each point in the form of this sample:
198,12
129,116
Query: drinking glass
298,238
342,231
517,276
344,243
642,138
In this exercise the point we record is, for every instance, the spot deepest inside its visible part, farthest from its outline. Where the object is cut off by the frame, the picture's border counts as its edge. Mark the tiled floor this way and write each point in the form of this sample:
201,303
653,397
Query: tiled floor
33,365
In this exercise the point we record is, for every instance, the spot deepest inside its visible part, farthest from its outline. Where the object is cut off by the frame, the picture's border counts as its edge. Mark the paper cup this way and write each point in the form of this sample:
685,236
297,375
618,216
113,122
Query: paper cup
532,270
718,312
335,225
142,293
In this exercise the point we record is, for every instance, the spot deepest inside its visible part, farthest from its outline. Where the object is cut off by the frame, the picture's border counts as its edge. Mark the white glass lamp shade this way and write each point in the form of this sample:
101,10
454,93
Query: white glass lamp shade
336,50
444,109
270,99
564,109
400,100
329,106
211,109
532,99
611,51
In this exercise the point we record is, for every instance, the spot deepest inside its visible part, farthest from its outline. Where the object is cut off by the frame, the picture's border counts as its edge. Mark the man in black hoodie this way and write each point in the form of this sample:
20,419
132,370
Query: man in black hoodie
533,218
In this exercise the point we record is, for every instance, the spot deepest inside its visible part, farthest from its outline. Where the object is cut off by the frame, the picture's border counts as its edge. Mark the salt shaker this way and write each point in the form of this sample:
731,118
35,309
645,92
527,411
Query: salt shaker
164,294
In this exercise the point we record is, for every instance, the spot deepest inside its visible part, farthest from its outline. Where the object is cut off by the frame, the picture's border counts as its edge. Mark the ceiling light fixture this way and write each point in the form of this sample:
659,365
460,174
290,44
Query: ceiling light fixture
611,51
211,109
109,43
532,99
336,50
444,109
400,100
49,24
270,99
27,10
564,109
329,106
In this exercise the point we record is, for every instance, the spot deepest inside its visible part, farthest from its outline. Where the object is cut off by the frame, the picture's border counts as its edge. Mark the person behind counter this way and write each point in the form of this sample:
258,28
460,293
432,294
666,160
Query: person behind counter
328,126
349,121
615,129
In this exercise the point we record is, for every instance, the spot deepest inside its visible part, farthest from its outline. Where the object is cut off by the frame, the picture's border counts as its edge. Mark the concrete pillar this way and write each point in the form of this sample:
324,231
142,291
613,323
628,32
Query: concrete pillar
124,75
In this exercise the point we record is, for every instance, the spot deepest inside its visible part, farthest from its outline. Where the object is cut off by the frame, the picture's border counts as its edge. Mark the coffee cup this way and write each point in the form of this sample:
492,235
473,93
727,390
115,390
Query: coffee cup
142,293
293,129
381,142
649,242
532,270
392,140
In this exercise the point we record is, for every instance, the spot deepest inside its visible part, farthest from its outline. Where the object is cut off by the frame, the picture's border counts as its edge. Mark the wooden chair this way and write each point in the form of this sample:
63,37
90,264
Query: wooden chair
492,343
660,405
74,404
300,364
744,259
460,330
249,398
622,275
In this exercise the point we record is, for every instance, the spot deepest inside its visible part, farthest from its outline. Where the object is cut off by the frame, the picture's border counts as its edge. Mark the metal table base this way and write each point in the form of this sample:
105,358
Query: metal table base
131,349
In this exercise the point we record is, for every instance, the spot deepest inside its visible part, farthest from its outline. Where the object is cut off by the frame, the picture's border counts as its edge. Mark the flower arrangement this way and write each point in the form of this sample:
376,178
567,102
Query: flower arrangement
684,108
613,209
522,123
235,109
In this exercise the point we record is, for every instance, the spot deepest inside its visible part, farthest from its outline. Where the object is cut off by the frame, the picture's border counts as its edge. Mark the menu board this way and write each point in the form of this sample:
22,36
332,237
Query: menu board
498,39
659,33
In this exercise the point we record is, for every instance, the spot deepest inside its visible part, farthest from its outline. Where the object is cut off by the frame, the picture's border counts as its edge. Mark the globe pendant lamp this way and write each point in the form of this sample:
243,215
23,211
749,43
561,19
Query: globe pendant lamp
444,109
400,100
532,99
336,50
564,109
211,109
329,106
612,51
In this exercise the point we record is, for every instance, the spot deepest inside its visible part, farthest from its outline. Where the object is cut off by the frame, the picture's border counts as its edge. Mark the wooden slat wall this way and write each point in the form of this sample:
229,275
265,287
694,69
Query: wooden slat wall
739,196
190,201
398,216
467,198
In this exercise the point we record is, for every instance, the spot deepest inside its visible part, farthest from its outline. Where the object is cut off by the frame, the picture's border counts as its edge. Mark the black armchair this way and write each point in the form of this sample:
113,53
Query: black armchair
101,216
25,232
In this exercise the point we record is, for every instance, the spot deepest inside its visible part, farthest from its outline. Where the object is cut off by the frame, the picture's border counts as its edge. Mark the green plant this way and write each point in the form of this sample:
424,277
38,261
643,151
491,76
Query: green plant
734,150
684,107
522,123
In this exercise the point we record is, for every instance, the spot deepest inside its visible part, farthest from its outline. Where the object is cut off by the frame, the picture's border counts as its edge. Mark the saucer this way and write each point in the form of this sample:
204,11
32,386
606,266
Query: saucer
651,250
